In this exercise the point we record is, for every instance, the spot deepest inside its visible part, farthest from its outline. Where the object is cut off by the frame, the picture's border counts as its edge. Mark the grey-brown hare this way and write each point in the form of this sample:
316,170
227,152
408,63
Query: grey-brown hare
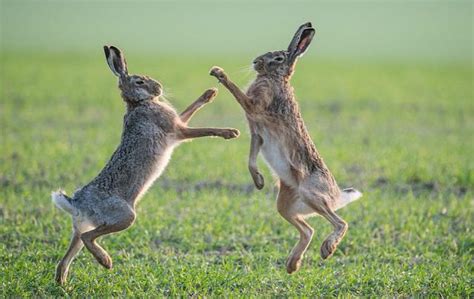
151,130
307,187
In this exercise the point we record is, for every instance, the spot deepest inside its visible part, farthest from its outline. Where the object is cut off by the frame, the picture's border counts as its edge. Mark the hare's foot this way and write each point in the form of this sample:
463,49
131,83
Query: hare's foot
330,244
329,247
61,274
293,263
104,259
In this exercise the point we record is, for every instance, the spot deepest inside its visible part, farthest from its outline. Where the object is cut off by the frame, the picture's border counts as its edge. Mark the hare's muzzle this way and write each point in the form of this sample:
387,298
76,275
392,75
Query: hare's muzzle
258,64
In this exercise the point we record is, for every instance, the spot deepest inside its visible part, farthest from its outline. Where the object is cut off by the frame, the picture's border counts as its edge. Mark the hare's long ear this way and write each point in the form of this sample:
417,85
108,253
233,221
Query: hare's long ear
116,61
301,40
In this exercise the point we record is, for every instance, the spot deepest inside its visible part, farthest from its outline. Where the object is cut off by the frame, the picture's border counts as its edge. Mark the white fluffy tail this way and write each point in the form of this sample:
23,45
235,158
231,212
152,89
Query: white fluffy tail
62,201
348,195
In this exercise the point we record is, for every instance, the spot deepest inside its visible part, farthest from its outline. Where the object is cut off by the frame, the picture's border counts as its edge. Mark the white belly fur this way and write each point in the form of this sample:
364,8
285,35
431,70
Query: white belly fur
275,156
301,208
82,224
161,165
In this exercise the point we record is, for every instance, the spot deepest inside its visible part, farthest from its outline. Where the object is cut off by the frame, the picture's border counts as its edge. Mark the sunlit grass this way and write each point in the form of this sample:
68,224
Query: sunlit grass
401,133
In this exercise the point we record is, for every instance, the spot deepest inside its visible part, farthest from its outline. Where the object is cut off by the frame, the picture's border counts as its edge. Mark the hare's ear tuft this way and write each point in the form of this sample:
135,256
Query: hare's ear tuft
301,40
116,61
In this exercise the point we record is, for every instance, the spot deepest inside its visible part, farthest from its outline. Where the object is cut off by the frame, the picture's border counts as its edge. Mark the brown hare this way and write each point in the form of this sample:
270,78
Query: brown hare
151,130
307,187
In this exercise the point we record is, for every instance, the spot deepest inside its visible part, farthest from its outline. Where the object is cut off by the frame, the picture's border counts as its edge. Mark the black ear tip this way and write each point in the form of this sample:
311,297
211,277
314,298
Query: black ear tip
115,49
309,31
106,51
308,24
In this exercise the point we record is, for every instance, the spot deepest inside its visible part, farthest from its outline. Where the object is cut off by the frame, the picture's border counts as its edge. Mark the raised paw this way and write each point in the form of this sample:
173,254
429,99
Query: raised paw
328,248
218,73
293,264
209,95
258,179
230,133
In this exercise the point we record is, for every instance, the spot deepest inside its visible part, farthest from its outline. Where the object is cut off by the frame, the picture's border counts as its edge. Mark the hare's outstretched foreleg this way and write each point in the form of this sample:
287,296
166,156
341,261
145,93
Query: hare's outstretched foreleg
244,101
190,133
63,267
340,226
205,98
255,144
286,201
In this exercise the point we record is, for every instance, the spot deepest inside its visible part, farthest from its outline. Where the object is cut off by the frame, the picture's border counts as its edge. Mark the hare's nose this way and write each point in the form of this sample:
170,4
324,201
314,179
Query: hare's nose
257,60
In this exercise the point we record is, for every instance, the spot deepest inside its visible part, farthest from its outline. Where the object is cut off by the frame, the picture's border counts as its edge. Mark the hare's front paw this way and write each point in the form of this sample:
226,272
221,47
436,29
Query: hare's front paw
258,179
218,73
230,133
209,95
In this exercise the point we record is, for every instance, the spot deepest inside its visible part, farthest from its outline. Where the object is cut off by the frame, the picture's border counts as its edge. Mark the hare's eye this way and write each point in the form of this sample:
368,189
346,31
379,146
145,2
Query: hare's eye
139,82
279,59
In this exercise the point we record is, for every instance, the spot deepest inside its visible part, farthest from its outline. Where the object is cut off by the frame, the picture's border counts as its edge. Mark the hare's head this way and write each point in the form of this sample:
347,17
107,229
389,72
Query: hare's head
135,89
282,63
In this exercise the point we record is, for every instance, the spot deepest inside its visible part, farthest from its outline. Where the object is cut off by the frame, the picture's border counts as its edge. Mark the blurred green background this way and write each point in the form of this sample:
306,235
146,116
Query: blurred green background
426,30
386,91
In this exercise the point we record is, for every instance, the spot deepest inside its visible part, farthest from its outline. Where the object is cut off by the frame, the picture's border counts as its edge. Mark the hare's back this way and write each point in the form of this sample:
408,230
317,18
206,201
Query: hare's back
145,148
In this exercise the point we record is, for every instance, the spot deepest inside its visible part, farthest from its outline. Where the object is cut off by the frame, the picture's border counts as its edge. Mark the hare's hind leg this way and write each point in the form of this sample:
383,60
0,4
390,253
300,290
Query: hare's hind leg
205,98
121,220
340,228
287,207
63,267
319,203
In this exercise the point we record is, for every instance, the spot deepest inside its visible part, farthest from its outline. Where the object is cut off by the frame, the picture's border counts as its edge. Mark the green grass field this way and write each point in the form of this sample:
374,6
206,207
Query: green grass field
399,126
400,132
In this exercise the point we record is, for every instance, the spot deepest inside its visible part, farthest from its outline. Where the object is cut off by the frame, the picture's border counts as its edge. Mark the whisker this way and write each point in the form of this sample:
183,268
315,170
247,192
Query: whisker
166,95
244,71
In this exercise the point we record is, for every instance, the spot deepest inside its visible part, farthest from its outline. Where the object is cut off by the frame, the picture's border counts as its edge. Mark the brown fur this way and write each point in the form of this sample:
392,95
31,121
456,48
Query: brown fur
276,126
